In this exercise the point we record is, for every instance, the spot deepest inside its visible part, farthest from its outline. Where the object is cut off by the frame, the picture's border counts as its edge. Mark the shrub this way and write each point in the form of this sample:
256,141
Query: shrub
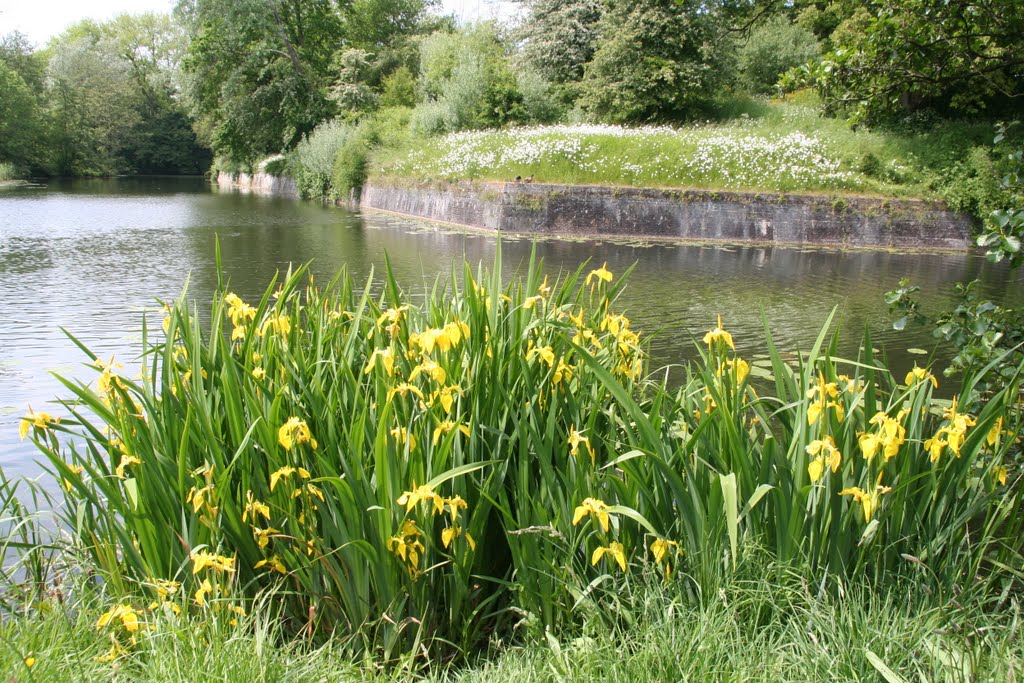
972,184
399,89
466,82
773,48
313,159
8,171
350,168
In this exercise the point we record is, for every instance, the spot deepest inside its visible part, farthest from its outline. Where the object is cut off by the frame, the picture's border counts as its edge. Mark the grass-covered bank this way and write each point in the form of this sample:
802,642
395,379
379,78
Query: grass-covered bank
419,480
777,146
752,629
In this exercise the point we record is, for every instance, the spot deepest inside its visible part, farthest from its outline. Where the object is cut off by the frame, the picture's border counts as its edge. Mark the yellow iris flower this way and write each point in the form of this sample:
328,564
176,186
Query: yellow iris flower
295,432
422,493
920,375
446,427
615,550
545,353
825,454
284,472
402,436
38,420
890,436
447,396
205,588
602,274
126,460
202,559
386,359
407,545
869,500
820,393
274,563
262,536
596,509
448,534
126,614
431,369
238,310
575,439
719,334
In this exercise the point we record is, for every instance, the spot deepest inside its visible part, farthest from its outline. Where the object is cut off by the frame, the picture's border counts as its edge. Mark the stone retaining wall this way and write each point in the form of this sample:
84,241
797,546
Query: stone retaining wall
683,214
258,183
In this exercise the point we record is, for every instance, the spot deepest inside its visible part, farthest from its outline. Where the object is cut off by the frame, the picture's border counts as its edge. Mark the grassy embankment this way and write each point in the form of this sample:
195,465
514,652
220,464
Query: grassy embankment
326,467
776,147
751,630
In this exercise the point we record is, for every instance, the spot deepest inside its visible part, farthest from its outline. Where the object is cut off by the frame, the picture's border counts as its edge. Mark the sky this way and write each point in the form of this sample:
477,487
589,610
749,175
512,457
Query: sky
40,20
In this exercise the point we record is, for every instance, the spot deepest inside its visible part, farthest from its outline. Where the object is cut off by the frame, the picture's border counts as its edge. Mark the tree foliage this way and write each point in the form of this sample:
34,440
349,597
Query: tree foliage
658,60
953,56
257,71
558,37
773,48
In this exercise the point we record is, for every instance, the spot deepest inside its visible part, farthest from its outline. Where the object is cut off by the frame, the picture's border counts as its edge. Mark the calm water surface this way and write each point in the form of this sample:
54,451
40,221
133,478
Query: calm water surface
94,256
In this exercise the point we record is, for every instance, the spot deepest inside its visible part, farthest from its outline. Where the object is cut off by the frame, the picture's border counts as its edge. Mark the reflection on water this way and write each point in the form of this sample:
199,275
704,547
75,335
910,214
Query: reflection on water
91,256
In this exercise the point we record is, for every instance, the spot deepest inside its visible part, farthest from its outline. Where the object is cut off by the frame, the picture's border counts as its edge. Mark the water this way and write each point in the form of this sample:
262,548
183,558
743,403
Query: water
93,256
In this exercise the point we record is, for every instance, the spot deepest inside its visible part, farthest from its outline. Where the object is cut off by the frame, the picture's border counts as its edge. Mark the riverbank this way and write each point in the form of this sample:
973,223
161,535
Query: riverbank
675,214
691,215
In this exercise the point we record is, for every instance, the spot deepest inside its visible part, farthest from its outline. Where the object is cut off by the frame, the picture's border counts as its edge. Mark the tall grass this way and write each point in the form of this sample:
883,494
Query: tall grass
753,628
422,477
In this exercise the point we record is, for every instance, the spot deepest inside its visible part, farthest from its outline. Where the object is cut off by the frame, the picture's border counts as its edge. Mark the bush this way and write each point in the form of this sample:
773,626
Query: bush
7,171
773,48
312,161
399,89
972,184
466,82
350,168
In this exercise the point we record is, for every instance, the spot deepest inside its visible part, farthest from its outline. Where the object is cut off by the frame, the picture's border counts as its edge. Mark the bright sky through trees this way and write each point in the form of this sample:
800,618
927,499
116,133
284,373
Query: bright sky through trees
40,20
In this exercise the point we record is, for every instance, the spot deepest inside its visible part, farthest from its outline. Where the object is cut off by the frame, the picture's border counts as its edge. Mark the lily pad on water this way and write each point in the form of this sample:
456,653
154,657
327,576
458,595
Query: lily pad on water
917,352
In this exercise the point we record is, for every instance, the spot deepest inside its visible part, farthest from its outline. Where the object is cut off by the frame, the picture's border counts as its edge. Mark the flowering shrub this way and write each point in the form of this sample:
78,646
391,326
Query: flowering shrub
420,476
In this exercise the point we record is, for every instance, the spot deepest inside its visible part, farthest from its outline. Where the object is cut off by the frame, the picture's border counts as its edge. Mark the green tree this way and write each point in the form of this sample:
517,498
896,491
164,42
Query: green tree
773,48
953,56
657,60
558,37
93,103
21,122
162,141
257,71
377,24
18,53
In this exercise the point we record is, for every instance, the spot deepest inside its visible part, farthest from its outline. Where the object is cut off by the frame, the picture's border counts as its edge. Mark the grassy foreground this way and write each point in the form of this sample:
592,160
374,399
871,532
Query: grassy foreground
750,630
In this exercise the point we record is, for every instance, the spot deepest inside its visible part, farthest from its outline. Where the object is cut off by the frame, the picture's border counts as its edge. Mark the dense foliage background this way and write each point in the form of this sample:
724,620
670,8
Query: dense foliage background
328,82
